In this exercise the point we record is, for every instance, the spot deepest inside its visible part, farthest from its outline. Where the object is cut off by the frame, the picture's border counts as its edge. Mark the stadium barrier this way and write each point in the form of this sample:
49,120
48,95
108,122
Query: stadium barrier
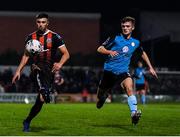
19,98
31,98
69,98
62,98
149,98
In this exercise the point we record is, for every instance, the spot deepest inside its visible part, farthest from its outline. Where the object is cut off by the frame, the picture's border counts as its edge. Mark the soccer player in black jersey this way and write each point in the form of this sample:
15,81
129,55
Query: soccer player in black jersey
43,65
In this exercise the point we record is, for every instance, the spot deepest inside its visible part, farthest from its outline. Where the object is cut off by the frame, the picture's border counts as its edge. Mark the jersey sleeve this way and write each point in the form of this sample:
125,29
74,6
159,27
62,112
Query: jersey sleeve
137,53
109,42
139,50
27,38
58,40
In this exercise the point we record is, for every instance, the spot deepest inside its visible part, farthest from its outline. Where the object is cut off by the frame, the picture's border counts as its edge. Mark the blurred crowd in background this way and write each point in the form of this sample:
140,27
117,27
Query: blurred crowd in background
76,79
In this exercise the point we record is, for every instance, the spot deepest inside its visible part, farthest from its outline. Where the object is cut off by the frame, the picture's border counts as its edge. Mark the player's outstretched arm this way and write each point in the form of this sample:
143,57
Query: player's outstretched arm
146,59
101,49
23,62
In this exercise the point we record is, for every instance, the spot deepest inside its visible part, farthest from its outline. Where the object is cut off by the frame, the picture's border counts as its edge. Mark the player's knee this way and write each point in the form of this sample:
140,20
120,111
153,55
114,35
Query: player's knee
41,98
129,91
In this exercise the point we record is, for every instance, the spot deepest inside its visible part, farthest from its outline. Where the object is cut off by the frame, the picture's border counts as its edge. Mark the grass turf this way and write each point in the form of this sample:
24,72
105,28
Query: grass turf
85,120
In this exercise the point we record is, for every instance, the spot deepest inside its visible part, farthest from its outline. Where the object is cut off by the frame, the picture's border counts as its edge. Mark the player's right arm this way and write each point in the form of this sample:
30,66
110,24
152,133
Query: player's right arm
103,50
23,62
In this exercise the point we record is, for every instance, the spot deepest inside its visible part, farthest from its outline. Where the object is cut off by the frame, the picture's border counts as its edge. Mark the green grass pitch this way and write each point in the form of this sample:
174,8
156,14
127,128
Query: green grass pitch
73,119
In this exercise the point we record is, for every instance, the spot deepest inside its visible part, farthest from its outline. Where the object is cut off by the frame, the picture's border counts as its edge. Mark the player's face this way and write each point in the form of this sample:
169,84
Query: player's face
127,28
42,24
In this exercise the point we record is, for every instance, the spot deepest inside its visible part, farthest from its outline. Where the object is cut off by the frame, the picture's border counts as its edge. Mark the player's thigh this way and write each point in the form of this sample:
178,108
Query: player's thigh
108,80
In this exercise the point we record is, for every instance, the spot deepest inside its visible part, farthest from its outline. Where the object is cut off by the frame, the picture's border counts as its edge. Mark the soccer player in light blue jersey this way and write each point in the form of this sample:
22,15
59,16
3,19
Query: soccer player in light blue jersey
139,75
119,50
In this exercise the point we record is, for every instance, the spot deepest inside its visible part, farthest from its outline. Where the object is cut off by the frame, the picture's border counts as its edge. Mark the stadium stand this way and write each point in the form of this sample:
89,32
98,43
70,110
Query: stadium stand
76,78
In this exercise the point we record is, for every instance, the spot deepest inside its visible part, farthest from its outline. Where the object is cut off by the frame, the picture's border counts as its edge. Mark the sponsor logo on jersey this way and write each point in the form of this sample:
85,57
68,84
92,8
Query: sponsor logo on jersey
49,40
125,49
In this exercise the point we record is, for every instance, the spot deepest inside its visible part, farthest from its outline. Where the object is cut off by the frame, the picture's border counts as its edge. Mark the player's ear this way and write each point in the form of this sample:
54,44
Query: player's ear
133,28
47,23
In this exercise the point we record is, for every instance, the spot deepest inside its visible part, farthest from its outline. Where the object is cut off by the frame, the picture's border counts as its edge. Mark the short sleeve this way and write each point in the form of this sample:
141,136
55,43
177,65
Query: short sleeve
27,38
139,50
58,40
109,42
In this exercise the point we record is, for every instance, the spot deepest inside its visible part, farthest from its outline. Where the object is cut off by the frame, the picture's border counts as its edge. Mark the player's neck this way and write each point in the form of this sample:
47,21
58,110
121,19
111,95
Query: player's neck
40,32
127,36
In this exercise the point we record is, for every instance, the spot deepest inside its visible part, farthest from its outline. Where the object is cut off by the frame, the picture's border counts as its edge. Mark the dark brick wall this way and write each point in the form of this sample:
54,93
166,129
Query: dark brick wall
80,34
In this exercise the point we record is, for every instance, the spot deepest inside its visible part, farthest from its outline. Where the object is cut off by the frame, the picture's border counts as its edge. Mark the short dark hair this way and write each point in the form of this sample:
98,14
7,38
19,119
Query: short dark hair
128,18
42,15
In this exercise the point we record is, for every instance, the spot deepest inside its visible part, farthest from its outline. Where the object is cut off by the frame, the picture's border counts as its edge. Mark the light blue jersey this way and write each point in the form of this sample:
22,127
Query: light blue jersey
125,47
139,73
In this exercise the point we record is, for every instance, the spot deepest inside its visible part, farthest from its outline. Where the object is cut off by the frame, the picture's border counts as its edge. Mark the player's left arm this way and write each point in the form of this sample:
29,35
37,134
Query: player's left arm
64,58
146,59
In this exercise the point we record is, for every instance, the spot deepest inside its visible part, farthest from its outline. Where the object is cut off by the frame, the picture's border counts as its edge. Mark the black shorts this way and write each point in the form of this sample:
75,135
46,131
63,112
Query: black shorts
41,79
109,79
140,86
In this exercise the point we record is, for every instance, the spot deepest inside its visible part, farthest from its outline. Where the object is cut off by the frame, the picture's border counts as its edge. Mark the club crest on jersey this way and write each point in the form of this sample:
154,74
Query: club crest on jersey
49,40
125,49
133,44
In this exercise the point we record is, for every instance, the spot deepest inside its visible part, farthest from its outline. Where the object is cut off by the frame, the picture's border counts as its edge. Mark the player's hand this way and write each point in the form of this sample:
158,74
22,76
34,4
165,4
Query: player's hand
153,72
56,67
16,77
113,53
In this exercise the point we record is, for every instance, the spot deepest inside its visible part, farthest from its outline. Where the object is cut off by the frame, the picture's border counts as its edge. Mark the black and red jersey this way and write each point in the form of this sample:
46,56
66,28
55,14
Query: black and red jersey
49,40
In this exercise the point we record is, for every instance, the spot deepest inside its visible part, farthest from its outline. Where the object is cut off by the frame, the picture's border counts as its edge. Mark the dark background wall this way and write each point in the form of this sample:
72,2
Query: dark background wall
79,31
162,50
